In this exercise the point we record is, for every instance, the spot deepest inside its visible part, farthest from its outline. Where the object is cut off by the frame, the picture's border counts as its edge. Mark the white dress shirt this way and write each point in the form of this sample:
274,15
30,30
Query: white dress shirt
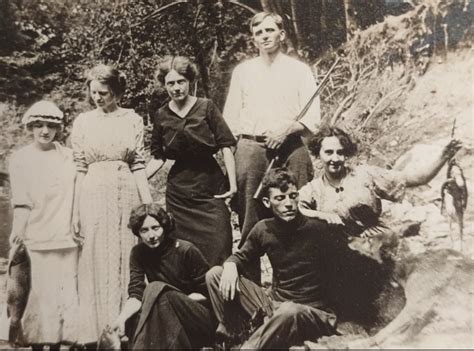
263,98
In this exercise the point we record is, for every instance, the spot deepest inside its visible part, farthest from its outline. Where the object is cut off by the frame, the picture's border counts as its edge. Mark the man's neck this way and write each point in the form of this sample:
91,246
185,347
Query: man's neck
295,222
269,57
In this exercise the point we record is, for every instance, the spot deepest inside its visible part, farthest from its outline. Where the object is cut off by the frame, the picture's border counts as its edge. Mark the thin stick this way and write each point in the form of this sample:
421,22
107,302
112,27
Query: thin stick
260,186
453,128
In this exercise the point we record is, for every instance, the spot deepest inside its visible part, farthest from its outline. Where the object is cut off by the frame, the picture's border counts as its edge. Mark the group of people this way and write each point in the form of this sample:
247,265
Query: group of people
79,212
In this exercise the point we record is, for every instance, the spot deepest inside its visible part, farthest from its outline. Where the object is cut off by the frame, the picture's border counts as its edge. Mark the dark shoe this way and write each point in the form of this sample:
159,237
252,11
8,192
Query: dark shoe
256,321
226,339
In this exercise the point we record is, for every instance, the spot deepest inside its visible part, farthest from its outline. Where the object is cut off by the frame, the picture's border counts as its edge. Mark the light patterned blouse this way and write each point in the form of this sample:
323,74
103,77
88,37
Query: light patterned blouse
115,136
363,185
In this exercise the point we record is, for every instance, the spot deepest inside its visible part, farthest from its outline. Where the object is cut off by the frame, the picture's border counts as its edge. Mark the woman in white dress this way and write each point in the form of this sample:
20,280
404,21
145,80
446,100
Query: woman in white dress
42,182
108,151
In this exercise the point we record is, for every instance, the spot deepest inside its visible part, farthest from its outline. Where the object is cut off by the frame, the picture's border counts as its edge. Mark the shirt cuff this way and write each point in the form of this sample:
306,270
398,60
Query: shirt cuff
137,166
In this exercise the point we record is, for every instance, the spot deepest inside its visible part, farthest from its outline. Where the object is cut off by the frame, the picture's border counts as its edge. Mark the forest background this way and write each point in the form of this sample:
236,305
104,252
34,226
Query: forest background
404,77
47,45
385,46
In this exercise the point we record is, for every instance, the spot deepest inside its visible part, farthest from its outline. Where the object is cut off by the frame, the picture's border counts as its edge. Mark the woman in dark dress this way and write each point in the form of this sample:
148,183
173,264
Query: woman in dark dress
191,130
172,313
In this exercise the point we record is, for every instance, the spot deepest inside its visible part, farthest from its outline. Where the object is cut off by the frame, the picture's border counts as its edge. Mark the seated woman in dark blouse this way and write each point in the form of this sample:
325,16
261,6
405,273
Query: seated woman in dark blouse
190,130
172,315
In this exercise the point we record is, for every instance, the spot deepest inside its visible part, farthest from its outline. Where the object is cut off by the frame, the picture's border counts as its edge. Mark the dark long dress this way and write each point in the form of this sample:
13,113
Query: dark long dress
169,319
196,176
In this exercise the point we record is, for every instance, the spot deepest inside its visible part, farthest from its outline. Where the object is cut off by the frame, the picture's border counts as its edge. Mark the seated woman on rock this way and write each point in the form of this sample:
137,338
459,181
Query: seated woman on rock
172,315
352,196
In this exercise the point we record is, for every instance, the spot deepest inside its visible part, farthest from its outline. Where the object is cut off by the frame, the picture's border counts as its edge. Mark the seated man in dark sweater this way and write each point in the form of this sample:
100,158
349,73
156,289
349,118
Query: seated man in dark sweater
171,313
295,307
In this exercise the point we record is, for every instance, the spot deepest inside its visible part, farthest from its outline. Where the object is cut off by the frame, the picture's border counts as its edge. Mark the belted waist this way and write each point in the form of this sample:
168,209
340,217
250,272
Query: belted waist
256,138
292,139
107,164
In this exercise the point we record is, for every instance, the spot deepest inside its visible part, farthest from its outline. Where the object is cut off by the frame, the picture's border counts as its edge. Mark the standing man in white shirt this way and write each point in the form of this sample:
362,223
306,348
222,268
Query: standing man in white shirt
266,94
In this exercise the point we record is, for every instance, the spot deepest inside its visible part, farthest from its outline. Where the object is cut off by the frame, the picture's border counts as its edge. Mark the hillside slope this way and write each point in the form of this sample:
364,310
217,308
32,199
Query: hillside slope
444,93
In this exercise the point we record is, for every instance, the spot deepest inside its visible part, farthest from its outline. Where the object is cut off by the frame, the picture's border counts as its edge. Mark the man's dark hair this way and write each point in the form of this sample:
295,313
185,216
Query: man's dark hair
280,178
314,144
139,213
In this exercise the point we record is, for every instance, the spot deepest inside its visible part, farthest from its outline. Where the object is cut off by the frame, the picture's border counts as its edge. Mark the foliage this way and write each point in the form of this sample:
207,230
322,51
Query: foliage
11,135
63,38
52,42
380,66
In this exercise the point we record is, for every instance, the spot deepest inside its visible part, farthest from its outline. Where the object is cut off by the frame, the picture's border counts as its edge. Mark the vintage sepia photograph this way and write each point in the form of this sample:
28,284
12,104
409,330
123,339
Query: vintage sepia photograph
236,174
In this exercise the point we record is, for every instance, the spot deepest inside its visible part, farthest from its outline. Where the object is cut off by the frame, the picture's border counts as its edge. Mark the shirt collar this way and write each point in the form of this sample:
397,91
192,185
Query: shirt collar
284,226
280,57
164,246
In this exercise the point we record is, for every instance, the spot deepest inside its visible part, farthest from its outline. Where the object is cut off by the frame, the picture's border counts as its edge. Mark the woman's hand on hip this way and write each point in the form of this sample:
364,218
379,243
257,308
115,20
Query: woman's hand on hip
227,195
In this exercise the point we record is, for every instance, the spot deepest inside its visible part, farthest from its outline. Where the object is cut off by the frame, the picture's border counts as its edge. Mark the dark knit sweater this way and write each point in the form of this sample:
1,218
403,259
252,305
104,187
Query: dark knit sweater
298,255
176,262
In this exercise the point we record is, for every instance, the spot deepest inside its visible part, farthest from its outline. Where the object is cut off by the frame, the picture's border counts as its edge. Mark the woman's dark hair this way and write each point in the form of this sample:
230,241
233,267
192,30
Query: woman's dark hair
314,144
280,178
108,75
139,213
180,64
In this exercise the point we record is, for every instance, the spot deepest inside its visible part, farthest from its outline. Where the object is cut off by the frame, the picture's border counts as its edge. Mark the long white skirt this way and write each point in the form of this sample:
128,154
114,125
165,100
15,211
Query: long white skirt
108,194
51,312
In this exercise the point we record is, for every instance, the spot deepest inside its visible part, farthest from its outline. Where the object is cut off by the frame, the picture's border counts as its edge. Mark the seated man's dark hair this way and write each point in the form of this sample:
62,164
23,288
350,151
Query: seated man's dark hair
280,178
139,213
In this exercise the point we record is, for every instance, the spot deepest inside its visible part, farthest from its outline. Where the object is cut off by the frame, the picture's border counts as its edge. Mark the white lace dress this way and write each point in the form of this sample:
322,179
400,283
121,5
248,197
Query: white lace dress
107,148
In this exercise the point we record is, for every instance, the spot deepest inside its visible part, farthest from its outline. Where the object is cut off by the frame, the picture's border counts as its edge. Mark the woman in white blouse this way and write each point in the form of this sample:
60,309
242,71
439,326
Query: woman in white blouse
42,182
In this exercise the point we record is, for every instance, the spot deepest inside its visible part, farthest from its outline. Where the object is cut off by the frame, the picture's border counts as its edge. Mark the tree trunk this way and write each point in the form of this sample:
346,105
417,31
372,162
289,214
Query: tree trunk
362,14
267,5
351,18
296,26
370,12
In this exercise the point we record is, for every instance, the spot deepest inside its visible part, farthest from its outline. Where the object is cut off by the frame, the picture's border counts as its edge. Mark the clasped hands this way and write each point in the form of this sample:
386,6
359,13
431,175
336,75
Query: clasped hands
275,139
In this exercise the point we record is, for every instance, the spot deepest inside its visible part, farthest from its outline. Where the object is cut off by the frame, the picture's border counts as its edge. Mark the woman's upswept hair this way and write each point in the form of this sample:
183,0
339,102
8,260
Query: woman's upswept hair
108,75
139,213
314,144
181,64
